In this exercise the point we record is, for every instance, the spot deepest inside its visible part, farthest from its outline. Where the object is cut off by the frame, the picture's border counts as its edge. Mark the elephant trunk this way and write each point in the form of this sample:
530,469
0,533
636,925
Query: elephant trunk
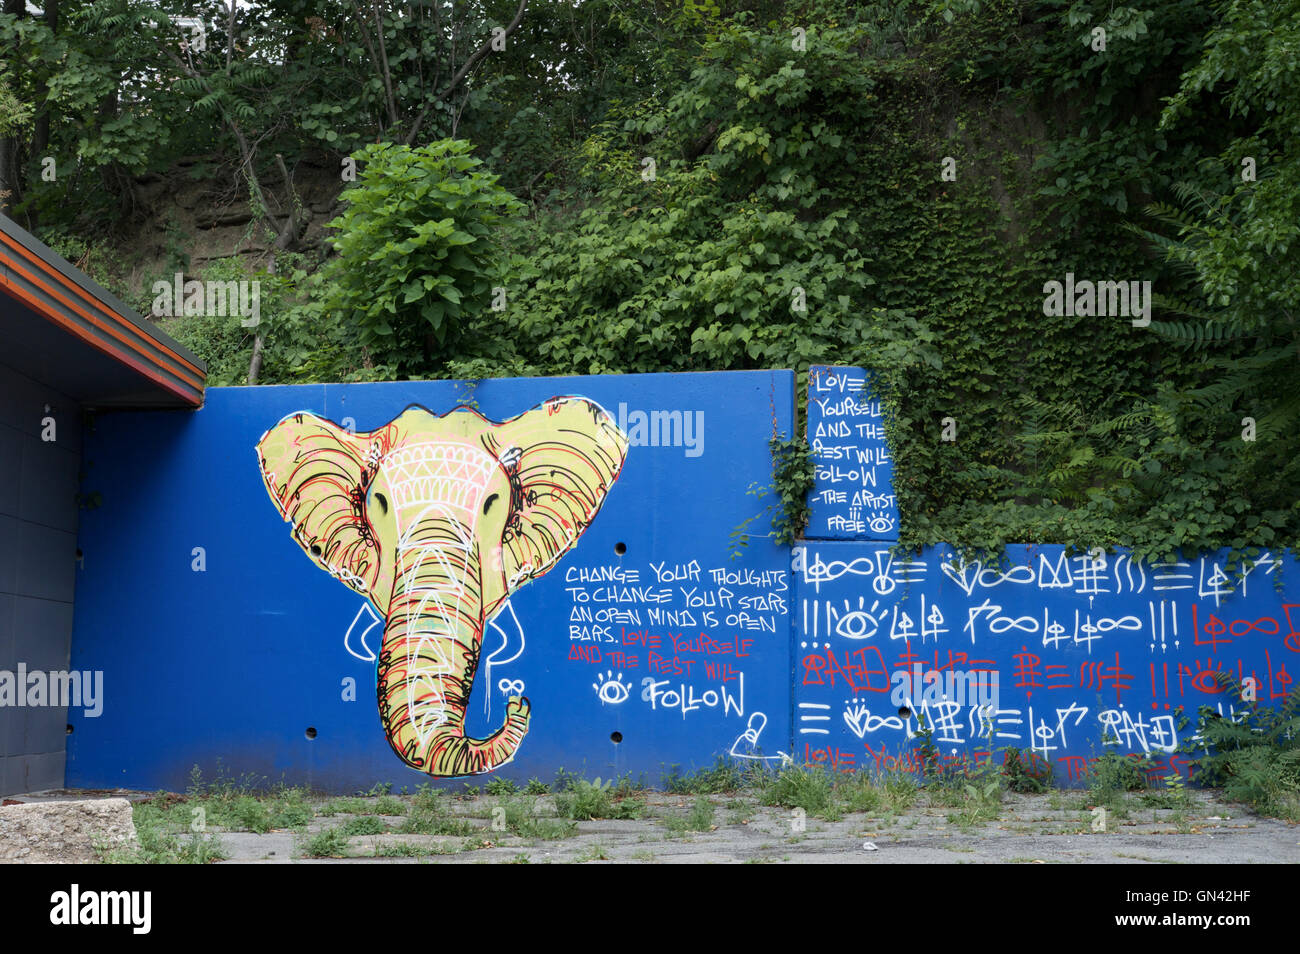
430,653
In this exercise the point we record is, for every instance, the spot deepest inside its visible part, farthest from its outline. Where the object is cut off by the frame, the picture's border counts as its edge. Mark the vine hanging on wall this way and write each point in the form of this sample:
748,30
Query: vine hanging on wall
792,479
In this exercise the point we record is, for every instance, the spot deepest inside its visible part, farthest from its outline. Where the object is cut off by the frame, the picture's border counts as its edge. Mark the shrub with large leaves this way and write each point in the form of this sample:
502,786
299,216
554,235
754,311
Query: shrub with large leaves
418,254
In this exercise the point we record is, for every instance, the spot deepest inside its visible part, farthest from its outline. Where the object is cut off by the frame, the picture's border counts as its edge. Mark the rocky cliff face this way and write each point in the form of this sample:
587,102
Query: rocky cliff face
200,212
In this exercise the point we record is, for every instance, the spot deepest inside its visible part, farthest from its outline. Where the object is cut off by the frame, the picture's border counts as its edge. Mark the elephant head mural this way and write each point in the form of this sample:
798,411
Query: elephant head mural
436,520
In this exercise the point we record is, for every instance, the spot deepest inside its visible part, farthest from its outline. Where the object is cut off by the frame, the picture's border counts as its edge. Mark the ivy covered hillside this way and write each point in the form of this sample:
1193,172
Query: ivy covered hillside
1069,226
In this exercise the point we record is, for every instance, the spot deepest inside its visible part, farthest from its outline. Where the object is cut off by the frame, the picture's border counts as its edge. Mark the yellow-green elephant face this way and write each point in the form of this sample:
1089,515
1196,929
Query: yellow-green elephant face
437,520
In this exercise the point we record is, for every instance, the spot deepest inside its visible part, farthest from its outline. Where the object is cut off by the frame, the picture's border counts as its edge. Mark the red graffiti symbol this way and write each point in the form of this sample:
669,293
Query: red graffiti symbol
853,669
1206,682
1246,626
1026,672
1214,629
1292,639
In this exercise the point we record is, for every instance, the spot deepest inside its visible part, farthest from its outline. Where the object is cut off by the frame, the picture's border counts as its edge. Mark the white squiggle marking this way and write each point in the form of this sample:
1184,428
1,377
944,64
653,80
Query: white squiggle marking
749,740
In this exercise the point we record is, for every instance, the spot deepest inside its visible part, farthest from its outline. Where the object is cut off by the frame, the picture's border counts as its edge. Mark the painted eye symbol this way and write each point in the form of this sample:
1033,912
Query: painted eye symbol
611,689
858,624
1206,682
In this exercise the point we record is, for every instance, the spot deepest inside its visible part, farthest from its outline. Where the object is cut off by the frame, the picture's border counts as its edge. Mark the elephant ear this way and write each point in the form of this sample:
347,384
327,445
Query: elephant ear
563,457
318,474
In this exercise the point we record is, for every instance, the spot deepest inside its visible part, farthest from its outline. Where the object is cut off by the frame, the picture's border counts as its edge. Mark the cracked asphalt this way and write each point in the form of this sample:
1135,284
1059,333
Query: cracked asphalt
1058,828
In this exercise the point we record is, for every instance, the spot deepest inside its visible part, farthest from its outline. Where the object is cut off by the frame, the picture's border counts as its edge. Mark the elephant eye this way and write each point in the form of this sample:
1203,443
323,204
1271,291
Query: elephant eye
383,502
488,503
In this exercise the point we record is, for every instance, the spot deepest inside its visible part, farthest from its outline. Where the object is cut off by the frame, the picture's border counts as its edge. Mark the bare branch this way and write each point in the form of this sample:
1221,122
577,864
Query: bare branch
374,58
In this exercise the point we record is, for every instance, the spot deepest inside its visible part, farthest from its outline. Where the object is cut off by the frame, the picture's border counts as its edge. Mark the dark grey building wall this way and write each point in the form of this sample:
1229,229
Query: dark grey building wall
38,544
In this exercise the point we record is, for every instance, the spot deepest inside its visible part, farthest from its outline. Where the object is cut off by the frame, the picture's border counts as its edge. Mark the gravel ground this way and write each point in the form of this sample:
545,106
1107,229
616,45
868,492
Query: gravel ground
1029,829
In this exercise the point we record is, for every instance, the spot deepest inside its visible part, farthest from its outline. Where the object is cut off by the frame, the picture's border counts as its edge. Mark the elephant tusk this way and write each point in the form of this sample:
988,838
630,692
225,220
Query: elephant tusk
365,620
492,660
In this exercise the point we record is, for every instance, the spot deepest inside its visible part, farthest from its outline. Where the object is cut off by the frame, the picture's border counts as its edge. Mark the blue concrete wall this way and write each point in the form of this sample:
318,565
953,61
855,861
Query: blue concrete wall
1089,652
647,631
649,645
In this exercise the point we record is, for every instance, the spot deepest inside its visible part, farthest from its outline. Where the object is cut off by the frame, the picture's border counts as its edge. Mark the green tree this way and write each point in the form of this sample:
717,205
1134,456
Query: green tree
1237,233
418,253
14,115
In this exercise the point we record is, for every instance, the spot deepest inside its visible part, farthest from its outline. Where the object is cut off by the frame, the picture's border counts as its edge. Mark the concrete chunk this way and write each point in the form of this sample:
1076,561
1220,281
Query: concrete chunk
64,831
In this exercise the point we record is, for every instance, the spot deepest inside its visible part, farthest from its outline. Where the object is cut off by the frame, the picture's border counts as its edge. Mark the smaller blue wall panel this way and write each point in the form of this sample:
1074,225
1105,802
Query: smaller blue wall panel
1088,653
235,663
854,496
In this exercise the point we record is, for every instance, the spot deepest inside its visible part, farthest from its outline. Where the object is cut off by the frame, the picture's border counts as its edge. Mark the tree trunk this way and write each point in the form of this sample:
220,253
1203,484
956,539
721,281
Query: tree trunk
255,363
41,136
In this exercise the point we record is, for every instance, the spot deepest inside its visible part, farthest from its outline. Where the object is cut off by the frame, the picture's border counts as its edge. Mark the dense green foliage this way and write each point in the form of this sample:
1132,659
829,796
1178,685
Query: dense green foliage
719,185
417,251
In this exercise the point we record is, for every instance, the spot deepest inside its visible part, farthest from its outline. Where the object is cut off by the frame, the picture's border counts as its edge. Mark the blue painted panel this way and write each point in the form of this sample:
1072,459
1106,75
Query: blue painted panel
1068,656
853,498
645,631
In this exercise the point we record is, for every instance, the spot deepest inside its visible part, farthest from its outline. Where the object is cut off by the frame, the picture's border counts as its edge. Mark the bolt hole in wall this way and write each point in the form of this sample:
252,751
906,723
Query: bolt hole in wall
69,730
620,548
311,732
616,737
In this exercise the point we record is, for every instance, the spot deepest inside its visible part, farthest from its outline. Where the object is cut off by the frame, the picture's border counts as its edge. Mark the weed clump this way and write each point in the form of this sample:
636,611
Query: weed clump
430,817
1113,775
587,801
329,843
724,778
801,786
1026,772
500,787
699,818
364,825
522,817
1254,756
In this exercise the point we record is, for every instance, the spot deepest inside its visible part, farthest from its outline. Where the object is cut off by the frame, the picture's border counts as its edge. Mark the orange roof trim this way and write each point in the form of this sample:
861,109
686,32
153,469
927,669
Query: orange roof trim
34,277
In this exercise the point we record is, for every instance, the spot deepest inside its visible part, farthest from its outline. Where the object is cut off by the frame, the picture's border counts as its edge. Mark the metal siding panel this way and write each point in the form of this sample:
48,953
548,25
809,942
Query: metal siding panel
49,483
12,443
46,562
11,529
